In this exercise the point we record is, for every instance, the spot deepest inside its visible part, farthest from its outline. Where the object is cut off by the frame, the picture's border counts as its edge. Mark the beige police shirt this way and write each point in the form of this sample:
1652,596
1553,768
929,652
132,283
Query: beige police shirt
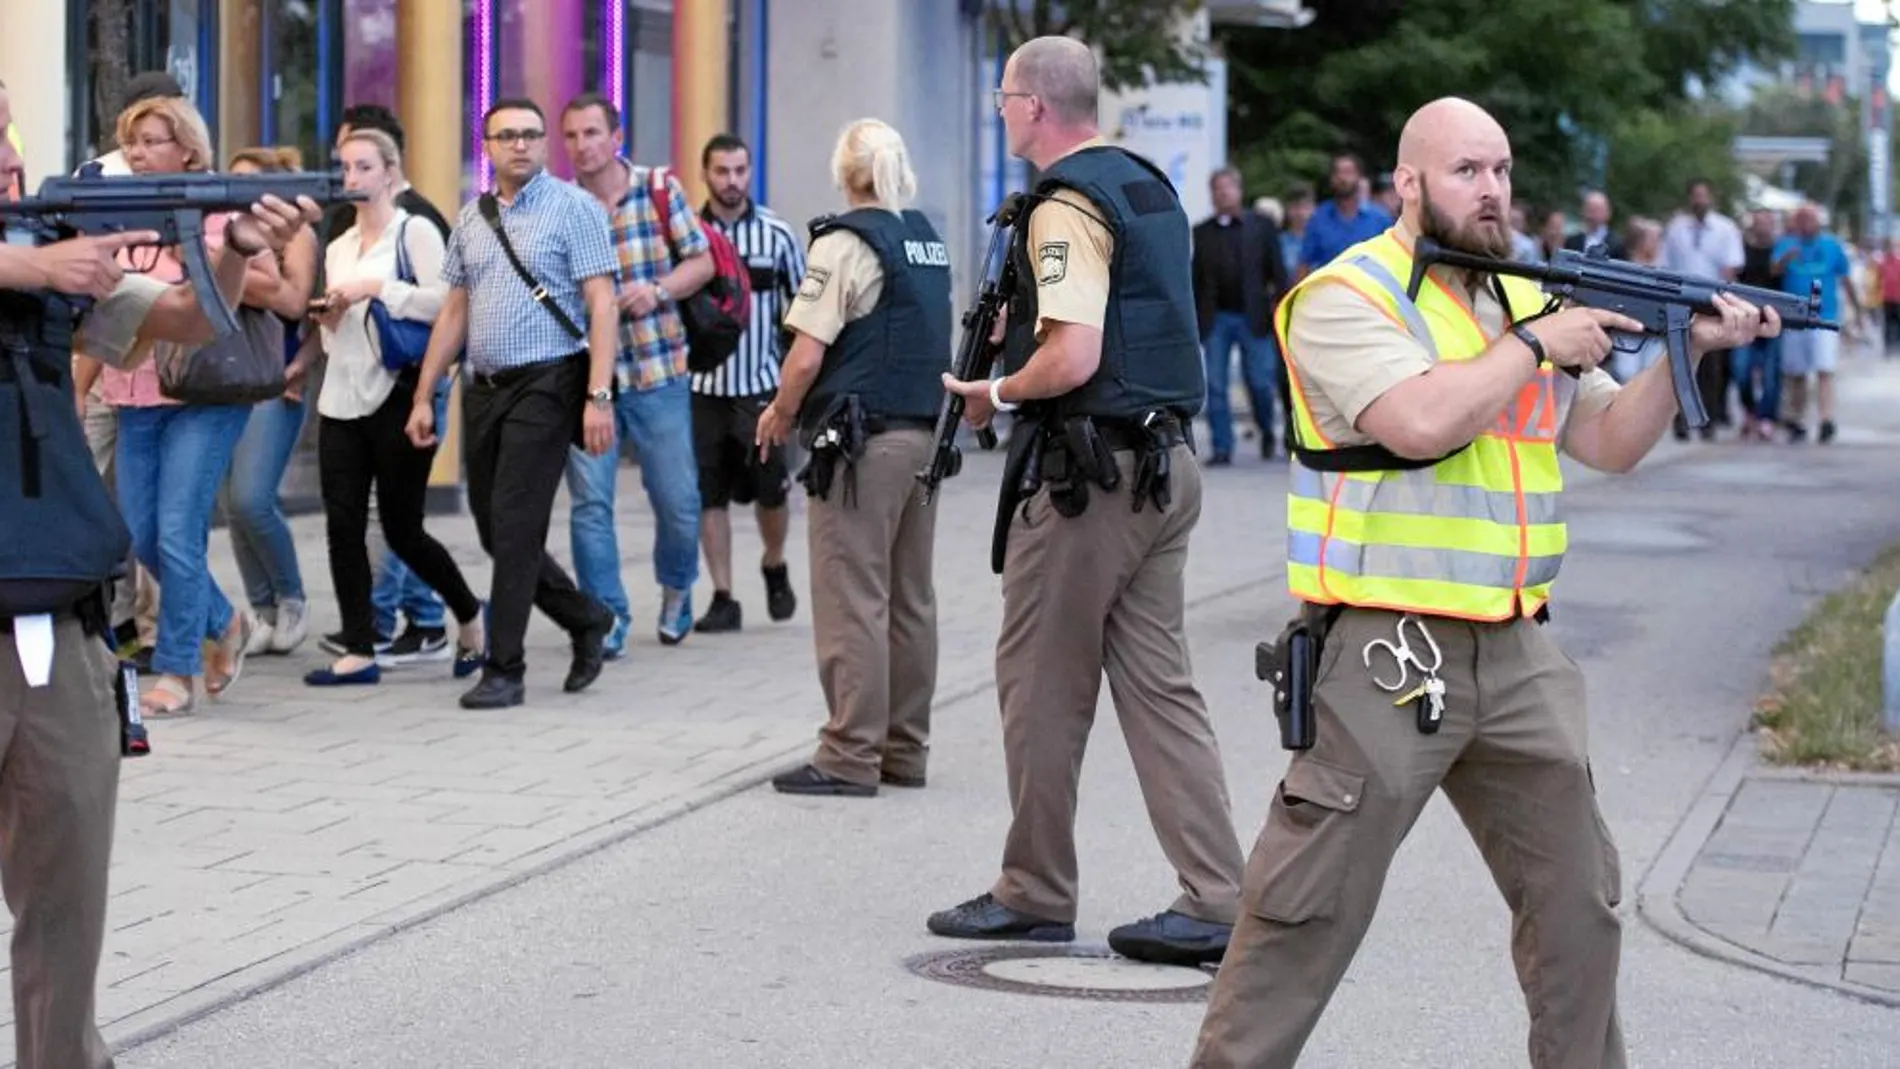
1347,352
1070,248
843,280
109,332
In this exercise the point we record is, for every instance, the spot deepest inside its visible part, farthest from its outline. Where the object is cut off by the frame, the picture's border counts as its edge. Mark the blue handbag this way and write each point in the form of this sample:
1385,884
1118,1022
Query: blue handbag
403,342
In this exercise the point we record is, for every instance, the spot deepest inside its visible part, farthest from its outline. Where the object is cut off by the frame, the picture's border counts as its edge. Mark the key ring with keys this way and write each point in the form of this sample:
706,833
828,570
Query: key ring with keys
1405,654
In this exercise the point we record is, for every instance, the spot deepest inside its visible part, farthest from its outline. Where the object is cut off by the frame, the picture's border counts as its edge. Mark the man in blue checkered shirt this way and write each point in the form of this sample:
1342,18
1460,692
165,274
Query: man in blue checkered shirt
526,267
658,266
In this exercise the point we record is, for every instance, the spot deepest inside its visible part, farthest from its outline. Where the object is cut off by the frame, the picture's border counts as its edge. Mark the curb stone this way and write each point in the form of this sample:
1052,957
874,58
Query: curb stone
1656,894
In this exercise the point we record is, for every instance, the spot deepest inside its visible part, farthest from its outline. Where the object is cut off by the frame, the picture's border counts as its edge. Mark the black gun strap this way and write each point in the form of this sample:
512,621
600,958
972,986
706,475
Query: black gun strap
491,211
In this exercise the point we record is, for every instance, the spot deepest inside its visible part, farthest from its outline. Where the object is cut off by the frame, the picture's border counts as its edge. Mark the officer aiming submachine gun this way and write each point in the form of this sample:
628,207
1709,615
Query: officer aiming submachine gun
1661,300
174,205
61,508
975,354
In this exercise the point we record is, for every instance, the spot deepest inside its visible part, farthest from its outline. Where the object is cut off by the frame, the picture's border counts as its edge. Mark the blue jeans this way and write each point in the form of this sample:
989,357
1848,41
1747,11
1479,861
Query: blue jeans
266,554
660,423
397,588
170,462
1761,358
1258,363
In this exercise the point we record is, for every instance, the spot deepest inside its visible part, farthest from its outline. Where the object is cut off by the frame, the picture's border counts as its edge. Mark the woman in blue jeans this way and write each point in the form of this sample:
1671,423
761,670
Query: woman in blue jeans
266,553
172,456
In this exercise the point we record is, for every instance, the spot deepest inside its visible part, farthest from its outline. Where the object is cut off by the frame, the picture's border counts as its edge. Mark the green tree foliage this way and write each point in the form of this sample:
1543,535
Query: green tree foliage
1657,152
1138,40
1569,79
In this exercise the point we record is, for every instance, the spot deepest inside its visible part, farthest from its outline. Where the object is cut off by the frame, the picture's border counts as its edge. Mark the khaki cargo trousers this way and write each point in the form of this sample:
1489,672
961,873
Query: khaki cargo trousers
874,612
59,783
1512,757
1099,593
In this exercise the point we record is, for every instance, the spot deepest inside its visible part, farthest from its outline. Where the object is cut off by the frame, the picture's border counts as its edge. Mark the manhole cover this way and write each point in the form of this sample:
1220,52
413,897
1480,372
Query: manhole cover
1066,972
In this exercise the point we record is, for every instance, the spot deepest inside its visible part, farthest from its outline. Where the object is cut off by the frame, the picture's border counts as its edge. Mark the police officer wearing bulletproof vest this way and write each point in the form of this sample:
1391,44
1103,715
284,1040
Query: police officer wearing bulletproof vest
862,384
64,540
1423,538
1101,494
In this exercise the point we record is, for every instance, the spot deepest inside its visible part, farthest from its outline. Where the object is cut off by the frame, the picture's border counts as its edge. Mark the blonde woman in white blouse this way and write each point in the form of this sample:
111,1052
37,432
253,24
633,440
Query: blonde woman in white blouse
363,406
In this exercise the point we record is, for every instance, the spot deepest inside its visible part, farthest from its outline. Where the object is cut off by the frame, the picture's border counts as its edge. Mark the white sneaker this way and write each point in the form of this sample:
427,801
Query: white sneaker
260,637
291,628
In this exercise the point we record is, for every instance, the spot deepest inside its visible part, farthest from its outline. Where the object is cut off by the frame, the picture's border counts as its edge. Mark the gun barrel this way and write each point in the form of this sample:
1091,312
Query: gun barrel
174,192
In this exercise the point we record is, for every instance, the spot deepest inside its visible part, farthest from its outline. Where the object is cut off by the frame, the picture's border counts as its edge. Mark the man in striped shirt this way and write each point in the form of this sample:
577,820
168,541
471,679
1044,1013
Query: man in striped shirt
727,400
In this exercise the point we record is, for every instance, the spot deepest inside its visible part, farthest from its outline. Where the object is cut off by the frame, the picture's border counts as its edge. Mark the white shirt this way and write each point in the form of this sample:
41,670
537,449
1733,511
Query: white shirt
355,383
1702,247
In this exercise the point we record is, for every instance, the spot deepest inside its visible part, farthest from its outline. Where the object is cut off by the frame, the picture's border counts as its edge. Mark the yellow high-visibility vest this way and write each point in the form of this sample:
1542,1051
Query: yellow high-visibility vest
1475,536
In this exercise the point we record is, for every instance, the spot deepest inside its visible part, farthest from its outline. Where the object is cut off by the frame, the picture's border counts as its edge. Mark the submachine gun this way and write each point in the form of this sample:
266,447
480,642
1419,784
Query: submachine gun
174,205
1661,300
975,354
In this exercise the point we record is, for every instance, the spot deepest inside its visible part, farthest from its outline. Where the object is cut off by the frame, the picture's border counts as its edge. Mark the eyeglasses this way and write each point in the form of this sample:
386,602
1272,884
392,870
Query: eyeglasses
508,137
147,144
999,97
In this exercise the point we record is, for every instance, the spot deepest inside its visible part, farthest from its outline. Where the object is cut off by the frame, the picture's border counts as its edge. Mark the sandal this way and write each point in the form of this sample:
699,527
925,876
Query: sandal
167,697
231,648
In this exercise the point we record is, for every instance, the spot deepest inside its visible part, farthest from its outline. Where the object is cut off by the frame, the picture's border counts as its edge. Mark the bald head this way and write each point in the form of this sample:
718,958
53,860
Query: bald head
1454,177
1061,72
1443,128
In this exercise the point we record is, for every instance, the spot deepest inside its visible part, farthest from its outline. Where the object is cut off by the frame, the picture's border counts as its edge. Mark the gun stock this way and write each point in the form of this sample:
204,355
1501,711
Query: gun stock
975,354
172,205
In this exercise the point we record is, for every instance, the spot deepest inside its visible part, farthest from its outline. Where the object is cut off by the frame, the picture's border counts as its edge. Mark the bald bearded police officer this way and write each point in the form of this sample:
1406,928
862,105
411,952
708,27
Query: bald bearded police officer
1104,359
862,384
59,729
1422,527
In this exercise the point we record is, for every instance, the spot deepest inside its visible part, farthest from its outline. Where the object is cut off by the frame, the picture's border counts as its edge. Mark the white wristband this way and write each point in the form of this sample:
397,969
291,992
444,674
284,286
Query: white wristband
996,399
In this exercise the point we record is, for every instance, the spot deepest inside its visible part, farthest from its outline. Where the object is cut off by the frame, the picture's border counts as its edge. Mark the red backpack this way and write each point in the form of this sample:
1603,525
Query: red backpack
717,314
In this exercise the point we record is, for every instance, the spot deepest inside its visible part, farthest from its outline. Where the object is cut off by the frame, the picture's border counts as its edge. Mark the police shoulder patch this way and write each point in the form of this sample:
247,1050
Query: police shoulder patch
1052,262
814,285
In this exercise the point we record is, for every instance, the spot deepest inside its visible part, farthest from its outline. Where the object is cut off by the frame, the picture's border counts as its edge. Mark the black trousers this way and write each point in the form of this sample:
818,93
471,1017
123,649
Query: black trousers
352,456
519,425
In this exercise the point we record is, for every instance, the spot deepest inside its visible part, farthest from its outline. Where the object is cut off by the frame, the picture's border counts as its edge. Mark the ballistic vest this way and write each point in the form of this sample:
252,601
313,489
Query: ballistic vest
1476,535
893,358
61,536
1151,343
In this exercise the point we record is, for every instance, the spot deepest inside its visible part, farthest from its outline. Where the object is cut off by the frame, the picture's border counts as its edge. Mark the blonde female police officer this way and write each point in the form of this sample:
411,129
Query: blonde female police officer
1458,555
862,385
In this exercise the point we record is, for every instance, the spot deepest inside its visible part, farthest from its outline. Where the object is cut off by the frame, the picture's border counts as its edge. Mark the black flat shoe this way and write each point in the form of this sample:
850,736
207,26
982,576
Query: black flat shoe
983,917
1172,938
590,653
808,780
896,780
495,692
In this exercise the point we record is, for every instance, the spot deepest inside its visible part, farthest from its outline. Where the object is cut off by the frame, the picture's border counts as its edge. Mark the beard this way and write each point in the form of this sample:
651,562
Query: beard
1476,235
729,198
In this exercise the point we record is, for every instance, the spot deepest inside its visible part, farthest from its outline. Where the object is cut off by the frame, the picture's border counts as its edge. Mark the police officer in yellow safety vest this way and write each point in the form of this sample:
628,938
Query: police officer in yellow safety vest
1423,536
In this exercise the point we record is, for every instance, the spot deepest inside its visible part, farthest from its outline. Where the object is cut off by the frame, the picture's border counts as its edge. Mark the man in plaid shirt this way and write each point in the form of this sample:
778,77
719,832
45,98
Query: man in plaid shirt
653,406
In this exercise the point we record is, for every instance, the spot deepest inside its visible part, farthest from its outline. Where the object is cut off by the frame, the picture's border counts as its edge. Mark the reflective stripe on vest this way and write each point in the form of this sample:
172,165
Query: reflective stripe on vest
1477,535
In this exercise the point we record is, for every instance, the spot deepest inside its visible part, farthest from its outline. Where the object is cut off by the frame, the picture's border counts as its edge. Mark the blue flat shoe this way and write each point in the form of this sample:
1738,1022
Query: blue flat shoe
330,677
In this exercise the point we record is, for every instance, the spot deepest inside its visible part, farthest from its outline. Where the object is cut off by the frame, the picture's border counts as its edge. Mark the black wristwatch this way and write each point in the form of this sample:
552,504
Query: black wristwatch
1530,341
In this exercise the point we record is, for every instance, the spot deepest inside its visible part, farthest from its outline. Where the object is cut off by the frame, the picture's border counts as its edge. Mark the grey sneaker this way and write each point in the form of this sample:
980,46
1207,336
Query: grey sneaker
290,627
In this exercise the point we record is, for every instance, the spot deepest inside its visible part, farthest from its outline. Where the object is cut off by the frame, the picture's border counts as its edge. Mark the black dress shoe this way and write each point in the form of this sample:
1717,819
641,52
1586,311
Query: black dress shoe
1172,938
808,780
590,653
896,780
495,691
983,917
